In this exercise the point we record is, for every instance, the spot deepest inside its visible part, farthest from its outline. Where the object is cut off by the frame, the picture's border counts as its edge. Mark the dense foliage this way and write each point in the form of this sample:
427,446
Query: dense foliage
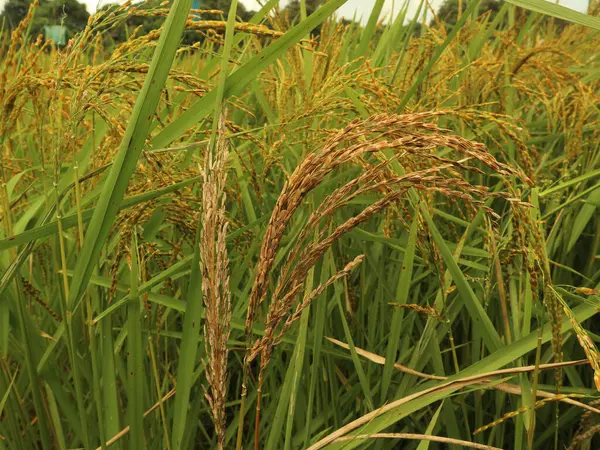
69,13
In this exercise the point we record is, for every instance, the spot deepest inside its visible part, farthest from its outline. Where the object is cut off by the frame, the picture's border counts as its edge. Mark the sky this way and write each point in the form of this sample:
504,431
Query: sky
361,8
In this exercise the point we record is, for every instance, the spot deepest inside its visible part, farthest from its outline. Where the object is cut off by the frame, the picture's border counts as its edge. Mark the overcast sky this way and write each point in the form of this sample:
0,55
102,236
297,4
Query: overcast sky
361,8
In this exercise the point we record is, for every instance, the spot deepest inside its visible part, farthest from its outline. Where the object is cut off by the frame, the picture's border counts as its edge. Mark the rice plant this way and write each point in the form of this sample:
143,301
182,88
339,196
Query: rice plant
302,232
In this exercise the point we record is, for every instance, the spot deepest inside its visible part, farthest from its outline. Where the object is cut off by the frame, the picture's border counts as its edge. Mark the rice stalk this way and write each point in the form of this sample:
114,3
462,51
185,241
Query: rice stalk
523,409
214,267
408,135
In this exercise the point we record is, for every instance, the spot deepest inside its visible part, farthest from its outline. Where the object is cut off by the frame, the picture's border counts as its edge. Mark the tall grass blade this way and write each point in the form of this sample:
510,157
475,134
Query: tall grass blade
135,351
558,11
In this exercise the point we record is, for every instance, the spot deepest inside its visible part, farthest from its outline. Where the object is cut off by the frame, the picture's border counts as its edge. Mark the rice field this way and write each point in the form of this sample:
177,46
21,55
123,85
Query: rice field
302,233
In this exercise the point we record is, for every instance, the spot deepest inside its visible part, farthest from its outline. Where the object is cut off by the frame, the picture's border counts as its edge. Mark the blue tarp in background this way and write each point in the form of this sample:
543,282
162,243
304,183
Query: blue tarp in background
57,33
196,5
